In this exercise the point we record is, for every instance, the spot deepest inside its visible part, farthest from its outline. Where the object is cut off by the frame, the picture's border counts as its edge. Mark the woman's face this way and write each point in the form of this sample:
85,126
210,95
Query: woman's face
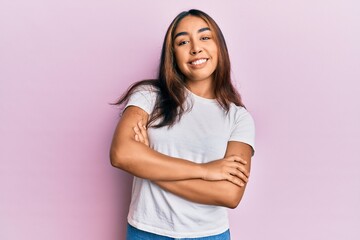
195,49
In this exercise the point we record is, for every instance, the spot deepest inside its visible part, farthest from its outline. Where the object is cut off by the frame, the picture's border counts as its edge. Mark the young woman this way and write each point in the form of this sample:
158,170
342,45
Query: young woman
186,137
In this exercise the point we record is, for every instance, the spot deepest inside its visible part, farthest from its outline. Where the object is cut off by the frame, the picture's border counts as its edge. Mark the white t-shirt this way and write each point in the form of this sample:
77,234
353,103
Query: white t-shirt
201,136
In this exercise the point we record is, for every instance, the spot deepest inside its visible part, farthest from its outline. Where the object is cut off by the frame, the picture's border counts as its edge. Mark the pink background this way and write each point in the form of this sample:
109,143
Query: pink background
296,63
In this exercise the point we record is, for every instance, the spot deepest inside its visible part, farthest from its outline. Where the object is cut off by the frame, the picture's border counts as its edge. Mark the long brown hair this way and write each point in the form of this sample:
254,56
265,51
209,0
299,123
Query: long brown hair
170,84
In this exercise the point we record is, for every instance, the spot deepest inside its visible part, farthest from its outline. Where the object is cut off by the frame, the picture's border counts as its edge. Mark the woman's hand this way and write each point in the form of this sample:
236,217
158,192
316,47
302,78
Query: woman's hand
230,168
141,134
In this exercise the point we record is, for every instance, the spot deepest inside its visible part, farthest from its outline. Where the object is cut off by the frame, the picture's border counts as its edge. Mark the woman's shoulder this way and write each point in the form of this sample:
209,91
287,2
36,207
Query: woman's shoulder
149,85
240,112
145,88
237,109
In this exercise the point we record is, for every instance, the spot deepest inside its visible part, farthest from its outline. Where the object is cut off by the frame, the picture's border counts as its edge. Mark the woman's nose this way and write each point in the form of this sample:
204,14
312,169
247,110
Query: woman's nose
194,52
195,49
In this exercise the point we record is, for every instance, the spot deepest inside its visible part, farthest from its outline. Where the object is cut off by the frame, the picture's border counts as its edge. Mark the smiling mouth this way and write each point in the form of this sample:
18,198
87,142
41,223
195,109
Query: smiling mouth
199,61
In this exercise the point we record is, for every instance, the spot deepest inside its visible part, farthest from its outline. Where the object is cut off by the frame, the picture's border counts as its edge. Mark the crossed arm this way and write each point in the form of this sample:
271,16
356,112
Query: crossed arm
220,182
221,192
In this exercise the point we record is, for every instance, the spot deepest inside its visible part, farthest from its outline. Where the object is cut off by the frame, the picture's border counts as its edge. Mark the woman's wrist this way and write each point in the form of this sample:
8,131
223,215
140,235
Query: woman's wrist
200,171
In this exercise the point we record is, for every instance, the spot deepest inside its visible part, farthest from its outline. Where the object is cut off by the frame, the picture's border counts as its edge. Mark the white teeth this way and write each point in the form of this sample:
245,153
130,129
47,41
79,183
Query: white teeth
200,61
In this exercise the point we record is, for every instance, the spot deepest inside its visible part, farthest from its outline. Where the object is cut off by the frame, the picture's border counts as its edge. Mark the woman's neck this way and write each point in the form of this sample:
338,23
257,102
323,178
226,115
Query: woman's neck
203,89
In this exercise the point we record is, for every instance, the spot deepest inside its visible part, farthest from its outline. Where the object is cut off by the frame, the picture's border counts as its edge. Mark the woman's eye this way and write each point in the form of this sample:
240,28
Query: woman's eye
205,38
183,42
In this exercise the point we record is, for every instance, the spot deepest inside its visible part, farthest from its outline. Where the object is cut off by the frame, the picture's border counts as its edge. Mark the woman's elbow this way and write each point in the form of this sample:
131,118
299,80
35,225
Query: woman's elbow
232,200
116,159
233,203
123,154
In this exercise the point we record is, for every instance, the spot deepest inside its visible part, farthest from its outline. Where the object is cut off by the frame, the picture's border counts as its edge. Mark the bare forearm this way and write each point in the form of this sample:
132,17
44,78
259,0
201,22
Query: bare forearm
221,193
142,161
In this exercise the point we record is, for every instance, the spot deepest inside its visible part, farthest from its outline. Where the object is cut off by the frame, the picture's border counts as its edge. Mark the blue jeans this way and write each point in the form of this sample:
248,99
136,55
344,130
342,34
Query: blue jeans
136,234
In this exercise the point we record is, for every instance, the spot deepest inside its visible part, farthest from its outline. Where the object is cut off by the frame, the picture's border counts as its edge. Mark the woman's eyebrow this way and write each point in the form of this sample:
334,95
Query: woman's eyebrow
186,33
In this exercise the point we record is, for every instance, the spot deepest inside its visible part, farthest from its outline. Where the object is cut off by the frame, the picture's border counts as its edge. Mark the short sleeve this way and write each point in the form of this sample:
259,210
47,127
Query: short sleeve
244,128
143,97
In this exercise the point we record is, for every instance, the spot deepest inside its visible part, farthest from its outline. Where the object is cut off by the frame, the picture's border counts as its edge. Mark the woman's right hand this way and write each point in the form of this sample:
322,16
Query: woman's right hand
231,168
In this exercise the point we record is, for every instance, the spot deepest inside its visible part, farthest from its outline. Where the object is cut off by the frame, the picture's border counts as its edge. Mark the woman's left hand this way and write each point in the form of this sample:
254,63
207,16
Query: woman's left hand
141,134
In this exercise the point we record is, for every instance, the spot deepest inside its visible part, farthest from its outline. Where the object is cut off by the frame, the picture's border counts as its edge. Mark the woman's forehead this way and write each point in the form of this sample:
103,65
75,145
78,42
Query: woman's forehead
191,23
